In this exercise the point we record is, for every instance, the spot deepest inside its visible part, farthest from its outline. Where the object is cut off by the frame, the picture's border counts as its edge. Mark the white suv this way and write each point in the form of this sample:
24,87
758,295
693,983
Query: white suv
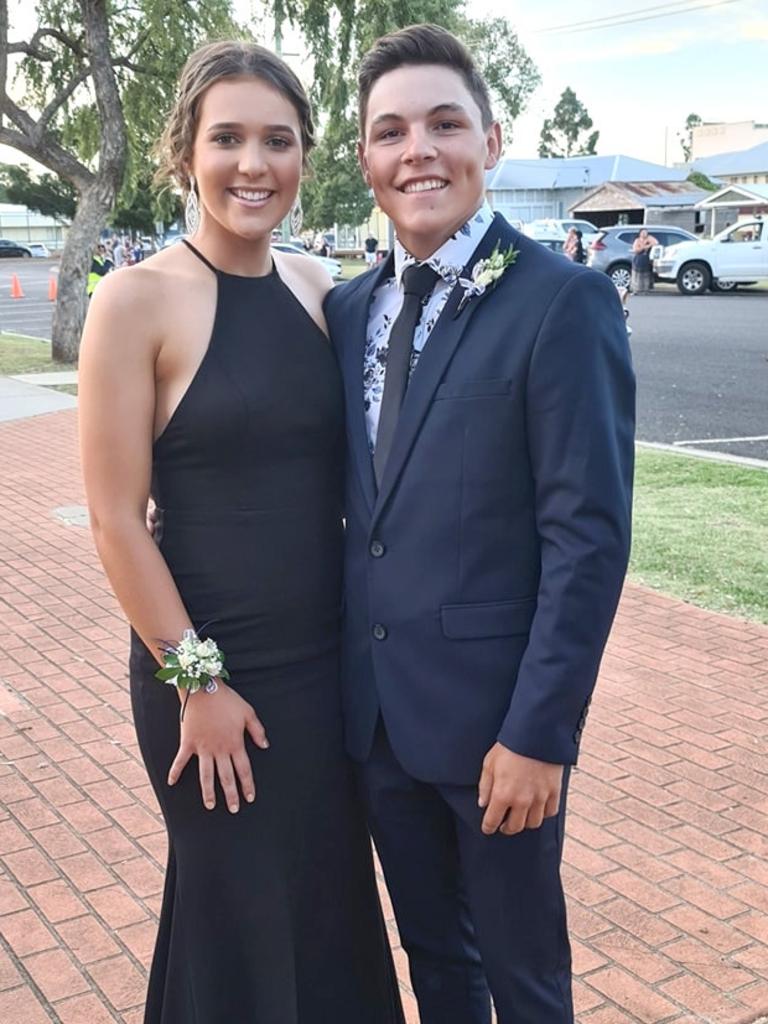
738,255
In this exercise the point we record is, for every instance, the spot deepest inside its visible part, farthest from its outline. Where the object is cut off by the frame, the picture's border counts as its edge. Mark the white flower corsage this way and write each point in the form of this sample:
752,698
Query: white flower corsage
193,665
486,273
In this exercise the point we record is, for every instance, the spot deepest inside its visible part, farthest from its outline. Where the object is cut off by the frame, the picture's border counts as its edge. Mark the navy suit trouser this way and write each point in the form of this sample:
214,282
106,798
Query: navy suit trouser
478,916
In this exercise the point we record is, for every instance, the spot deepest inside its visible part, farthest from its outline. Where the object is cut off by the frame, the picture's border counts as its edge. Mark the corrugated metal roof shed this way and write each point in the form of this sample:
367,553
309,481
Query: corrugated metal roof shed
576,172
639,195
744,161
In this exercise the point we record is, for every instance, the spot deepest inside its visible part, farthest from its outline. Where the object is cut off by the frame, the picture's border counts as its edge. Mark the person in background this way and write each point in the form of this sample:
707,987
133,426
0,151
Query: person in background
371,243
118,253
642,270
99,269
109,256
569,245
573,247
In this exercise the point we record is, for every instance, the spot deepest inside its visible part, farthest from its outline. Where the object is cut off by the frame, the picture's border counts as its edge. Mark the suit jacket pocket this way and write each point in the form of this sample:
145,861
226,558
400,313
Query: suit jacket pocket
491,619
473,388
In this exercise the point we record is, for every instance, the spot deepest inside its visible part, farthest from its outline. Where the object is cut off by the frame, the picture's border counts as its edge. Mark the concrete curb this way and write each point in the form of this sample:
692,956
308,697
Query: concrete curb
739,460
19,400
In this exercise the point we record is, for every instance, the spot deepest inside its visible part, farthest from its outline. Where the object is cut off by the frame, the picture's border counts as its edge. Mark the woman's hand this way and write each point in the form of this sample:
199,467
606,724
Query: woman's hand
214,728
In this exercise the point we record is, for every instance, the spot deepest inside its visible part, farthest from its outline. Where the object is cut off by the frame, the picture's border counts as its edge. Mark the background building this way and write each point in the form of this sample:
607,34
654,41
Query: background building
526,190
726,137
643,202
742,167
22,225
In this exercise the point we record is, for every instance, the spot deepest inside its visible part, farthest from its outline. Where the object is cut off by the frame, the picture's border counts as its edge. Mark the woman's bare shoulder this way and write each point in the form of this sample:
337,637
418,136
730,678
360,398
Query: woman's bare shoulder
138,302
307,270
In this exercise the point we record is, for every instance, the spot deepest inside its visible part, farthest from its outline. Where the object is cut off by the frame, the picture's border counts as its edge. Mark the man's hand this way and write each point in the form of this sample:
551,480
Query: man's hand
518,792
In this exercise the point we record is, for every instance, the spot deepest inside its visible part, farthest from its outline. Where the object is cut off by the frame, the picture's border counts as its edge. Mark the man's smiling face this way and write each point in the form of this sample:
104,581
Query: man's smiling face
425,153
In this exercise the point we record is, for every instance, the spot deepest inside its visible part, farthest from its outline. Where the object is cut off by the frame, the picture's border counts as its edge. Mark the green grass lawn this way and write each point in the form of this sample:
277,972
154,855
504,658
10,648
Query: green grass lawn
351,267
27,355
701,532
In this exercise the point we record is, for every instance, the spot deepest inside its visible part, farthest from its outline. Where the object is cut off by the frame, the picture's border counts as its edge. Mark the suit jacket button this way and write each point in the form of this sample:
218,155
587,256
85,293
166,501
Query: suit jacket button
377,549
379,632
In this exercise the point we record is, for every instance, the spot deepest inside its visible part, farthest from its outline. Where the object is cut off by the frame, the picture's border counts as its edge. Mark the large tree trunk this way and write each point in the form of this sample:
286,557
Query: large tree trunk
97,198
72,302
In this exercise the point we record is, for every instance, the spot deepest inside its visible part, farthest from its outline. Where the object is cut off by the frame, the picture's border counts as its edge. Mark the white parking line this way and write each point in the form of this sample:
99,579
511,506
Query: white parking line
721,440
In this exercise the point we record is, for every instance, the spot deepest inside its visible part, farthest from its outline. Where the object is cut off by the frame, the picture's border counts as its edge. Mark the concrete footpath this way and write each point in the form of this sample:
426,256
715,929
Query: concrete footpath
666,862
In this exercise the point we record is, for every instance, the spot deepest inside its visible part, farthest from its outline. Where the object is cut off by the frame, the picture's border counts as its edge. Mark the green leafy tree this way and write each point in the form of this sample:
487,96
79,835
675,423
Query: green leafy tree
140,206
99,76
686,135
703,182
47,194
334,193
563,134
337,34
511,74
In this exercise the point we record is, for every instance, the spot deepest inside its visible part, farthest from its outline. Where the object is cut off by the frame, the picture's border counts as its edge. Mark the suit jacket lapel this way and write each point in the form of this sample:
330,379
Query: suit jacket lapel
353,358
433,362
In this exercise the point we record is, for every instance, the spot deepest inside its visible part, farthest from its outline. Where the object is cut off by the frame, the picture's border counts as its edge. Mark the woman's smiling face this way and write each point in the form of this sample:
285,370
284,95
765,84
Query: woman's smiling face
247,157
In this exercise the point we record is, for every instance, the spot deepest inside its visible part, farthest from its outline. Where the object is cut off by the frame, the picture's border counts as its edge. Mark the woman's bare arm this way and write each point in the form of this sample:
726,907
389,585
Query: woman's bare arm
117,407
121,343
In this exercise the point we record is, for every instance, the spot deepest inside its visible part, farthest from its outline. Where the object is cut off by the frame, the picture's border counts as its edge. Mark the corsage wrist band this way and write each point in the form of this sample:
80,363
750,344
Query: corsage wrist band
193,665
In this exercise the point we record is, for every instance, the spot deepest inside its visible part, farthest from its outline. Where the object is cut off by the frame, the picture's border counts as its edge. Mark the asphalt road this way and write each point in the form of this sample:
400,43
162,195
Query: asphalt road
701,361
702,370
31,315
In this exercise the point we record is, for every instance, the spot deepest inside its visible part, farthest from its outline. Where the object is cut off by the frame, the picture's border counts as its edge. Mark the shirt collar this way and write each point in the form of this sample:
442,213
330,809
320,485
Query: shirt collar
453,255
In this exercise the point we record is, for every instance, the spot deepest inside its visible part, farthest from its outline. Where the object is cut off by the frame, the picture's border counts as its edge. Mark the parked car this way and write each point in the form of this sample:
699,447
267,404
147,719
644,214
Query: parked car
9,248
39,250
611,251
549,229
737,255
331,265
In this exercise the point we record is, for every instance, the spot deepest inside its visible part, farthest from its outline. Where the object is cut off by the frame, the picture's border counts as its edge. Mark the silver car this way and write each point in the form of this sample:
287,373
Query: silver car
611,251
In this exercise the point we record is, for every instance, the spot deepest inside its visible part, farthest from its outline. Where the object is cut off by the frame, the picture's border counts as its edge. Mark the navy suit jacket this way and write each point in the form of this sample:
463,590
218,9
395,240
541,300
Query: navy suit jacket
482,579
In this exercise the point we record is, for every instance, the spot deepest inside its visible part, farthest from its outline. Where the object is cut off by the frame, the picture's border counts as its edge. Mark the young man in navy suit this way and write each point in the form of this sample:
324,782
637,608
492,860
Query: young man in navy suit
490,411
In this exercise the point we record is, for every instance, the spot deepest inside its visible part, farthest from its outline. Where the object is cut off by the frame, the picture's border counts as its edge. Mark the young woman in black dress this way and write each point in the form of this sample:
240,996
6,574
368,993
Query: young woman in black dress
207,381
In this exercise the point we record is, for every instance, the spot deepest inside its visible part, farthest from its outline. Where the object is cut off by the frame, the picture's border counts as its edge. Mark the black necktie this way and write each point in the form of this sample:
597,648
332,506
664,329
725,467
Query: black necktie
418,281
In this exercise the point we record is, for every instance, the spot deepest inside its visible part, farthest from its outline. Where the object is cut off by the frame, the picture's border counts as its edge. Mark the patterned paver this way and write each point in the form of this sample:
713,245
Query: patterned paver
665,865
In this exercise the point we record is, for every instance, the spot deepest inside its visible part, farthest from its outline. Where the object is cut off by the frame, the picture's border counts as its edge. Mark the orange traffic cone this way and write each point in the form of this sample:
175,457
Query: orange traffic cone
16,290
53,288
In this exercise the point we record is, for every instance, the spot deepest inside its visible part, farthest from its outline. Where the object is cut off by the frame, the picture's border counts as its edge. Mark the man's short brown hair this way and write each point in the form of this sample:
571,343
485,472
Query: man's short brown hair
421,44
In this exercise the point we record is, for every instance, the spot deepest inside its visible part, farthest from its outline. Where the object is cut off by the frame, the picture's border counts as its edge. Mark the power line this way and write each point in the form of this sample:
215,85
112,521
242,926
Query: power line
613,21
611,17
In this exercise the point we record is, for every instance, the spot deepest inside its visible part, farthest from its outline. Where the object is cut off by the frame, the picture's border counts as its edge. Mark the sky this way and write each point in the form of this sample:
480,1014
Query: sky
638,80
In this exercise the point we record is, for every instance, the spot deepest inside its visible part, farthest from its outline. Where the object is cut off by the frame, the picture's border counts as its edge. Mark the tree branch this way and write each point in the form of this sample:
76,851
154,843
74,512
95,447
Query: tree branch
139,69
60,99
33,49
112,151
3,57
51,154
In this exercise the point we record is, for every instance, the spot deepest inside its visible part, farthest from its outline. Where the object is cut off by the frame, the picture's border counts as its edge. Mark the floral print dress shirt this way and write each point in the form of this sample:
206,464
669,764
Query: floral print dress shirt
387,300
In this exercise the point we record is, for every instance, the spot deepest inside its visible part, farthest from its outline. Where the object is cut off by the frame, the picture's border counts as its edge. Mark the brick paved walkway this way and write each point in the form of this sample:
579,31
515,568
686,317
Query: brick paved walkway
666,867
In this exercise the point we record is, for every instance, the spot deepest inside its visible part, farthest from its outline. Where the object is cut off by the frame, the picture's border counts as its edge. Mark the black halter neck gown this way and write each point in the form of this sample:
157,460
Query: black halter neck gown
269,916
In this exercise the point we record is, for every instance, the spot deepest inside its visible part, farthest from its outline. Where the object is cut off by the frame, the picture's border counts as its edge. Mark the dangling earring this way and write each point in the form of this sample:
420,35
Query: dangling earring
192,208
297,216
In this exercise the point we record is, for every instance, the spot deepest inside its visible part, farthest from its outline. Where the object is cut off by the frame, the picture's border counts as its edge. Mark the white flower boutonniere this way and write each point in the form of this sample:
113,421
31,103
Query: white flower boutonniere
486,274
